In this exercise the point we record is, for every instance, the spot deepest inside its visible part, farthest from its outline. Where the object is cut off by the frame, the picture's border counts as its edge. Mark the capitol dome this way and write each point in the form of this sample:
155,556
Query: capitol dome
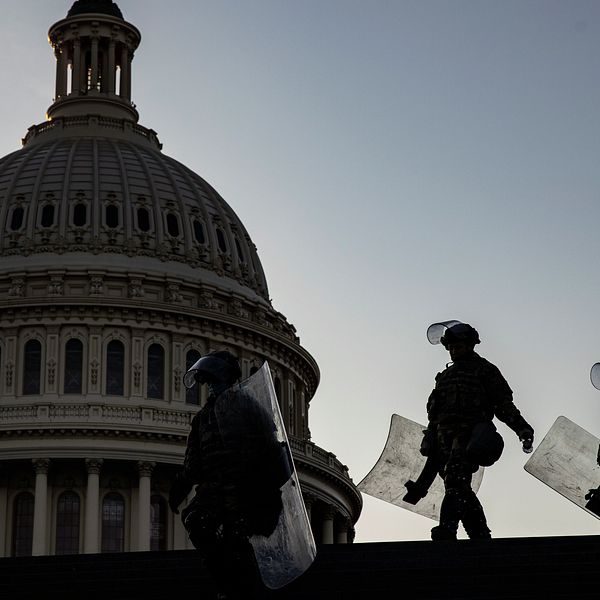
119,268
71,192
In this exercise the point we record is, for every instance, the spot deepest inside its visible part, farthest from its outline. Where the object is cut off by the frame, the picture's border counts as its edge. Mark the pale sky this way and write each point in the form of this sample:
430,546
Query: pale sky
397,163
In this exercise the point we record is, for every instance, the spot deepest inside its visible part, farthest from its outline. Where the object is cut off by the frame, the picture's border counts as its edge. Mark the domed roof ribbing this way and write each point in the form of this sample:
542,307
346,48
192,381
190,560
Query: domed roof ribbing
108,196
105,7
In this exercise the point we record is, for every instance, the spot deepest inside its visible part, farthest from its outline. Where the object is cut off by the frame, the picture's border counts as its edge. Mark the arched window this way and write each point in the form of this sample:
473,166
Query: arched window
158,523
239,251
277,386
199,232
172,225
156,372
22,541
292,411
16,220
115,368
143,219
221,240
32,365
80,215
47,215
192,396
67,523
112,216
113,523
73,367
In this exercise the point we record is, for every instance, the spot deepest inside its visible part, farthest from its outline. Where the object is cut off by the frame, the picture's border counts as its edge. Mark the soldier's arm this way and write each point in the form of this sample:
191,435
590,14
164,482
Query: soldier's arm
504,408
183,482
193,455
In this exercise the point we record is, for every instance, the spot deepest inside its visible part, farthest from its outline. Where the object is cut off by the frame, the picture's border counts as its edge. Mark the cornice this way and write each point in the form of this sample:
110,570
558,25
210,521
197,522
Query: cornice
255,336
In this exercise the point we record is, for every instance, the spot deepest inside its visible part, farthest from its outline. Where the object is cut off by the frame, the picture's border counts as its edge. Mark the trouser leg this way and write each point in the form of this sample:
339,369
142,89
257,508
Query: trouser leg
457,476
473,519
228,556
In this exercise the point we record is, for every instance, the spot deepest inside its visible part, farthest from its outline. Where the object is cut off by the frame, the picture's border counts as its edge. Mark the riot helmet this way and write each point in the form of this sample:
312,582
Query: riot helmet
461,332
217,368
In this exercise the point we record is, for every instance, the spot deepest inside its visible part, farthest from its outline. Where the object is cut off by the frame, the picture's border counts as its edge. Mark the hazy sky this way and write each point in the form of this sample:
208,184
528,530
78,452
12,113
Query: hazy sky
396,163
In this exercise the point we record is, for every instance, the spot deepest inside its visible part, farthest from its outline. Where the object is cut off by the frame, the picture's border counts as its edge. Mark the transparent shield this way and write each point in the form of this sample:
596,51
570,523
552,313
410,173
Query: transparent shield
436,330
595,376
189,379
402,461
566,460
286,549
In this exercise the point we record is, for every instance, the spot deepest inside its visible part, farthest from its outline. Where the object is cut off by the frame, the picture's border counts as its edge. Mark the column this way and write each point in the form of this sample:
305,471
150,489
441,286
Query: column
3,515
59,76
63,63
76,74
309,500
341,535
143,510
94,76
125,94
110,88
92,506
103,74
328,516
129,60
40,507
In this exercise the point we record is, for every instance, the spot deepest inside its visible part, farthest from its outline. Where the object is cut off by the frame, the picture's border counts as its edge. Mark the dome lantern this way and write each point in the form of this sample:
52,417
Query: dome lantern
94,48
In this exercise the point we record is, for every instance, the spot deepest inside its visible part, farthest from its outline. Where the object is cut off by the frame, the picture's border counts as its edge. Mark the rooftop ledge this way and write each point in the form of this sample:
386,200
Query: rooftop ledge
92,126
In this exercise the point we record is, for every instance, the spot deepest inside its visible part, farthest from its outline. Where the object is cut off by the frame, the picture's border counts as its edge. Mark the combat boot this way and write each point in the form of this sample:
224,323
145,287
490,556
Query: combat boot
441,533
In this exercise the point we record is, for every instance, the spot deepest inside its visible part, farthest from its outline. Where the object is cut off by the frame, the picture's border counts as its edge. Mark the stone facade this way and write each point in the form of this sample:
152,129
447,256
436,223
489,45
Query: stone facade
119,266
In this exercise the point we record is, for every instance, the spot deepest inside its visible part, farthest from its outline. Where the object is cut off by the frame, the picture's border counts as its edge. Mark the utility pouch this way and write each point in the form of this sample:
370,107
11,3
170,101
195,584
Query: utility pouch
486,444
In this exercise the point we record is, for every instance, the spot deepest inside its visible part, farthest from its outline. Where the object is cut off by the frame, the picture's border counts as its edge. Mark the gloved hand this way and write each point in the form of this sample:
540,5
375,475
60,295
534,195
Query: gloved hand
414,492
180,488
526,437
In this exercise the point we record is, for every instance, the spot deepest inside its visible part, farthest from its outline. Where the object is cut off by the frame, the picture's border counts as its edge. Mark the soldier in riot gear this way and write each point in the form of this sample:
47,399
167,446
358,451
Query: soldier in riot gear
460,435
237,493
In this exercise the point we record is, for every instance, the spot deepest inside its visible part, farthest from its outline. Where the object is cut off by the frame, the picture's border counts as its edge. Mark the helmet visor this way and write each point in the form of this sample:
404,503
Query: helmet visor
595,376
437,330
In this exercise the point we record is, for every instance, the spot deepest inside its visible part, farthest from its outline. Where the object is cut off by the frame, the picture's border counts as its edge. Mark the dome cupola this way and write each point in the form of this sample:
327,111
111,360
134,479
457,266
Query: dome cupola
94,47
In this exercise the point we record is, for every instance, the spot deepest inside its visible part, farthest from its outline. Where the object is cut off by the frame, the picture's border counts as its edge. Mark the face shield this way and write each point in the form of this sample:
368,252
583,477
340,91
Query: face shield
212,369
436,331
595,376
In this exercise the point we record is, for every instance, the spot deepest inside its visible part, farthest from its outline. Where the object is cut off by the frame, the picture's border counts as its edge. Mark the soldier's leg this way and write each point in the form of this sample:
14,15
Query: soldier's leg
457,482
244,580
474,520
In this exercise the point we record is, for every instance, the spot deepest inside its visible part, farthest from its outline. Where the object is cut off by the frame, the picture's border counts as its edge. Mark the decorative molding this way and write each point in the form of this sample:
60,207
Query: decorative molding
93,465
41,466
17,287
145,468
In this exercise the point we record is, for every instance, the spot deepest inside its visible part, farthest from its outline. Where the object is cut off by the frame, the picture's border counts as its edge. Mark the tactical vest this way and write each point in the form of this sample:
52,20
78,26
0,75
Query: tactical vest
207,460
460,395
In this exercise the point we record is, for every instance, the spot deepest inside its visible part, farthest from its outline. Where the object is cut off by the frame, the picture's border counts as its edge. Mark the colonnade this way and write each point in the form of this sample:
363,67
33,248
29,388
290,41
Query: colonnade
100,73
329,523
91,520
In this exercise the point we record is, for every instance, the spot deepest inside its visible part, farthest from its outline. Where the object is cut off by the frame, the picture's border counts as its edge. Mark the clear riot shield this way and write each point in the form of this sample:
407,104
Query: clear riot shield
595,375
567,461
436,330
402,461
251,426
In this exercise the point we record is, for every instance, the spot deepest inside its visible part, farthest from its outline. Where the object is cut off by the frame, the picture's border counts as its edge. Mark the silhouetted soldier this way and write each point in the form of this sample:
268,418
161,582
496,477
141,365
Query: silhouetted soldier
234,460
461,436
